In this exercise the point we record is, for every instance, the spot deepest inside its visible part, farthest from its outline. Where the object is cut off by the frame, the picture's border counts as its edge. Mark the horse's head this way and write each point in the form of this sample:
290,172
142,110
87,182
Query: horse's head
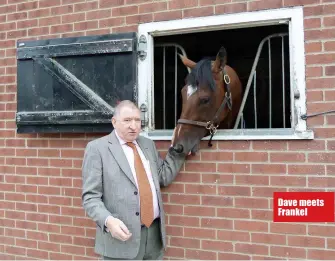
202,100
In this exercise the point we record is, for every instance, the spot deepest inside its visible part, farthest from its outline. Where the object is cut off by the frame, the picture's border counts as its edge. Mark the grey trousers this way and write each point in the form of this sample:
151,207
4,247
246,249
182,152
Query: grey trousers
151,247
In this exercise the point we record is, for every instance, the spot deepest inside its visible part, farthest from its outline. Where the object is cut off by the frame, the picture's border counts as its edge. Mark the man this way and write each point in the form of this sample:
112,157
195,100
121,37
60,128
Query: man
122,175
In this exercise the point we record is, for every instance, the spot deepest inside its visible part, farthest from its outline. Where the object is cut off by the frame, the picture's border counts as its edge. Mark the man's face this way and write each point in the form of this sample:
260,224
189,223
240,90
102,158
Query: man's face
127,123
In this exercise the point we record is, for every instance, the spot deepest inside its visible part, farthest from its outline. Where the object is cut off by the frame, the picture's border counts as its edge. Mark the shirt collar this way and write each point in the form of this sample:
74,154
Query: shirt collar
122,141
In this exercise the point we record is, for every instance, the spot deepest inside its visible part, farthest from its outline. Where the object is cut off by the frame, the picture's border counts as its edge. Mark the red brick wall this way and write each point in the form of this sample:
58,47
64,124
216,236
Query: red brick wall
220,205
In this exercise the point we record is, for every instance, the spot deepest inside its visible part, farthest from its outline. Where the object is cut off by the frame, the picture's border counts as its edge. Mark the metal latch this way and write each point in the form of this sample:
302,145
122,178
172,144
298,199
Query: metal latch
144,118
142,47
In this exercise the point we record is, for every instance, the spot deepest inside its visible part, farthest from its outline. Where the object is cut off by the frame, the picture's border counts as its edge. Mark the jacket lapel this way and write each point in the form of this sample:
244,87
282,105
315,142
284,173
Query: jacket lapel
147,154
115,148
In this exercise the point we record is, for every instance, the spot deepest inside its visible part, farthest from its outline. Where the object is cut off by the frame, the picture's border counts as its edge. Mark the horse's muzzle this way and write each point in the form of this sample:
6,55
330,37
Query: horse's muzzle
178,148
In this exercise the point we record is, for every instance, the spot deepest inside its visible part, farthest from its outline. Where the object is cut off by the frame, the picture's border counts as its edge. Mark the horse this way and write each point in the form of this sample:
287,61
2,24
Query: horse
211,99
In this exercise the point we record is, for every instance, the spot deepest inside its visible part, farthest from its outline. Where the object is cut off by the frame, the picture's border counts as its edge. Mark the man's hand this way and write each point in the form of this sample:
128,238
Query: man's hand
118,229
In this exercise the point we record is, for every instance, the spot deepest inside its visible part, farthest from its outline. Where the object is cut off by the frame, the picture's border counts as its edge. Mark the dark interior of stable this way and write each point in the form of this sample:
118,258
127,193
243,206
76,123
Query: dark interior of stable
241,45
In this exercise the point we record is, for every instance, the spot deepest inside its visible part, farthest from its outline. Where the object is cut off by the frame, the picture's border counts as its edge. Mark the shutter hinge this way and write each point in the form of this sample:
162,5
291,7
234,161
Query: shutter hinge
142,47
144,118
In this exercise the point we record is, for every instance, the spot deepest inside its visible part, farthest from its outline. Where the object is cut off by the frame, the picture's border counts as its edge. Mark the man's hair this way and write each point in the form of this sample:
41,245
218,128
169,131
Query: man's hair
123,104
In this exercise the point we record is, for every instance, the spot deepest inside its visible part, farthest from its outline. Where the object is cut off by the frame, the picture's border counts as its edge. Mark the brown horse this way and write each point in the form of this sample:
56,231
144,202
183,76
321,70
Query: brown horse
211,100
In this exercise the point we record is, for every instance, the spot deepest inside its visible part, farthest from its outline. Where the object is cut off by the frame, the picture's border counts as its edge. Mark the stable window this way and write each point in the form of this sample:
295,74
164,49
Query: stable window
266,48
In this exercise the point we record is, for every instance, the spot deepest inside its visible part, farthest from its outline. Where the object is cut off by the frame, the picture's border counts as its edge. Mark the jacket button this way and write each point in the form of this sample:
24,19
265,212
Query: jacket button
135,193
137,213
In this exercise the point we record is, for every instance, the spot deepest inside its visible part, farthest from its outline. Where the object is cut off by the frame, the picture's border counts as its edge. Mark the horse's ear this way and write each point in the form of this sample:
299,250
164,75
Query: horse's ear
221,60
187,62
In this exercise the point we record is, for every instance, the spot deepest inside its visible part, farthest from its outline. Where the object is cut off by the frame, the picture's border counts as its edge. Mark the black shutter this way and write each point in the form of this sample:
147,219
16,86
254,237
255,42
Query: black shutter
73,84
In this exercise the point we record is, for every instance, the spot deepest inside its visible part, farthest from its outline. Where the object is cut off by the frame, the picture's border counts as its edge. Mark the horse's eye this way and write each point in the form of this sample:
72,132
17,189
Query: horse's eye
204,100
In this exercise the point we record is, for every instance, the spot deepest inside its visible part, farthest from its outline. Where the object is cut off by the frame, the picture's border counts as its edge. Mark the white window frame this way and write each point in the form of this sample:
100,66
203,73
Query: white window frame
292,16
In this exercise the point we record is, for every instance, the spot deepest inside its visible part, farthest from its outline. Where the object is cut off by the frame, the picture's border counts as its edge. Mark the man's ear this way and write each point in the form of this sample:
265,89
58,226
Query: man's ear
113,121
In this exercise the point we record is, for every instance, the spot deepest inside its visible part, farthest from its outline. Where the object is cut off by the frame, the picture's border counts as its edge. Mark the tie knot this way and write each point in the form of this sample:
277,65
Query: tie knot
132,145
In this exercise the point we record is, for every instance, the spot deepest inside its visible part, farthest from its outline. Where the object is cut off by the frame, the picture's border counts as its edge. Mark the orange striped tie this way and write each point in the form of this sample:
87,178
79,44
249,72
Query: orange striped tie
146,202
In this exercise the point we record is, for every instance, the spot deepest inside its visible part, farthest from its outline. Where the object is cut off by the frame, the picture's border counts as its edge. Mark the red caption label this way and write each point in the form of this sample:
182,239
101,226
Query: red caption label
303,207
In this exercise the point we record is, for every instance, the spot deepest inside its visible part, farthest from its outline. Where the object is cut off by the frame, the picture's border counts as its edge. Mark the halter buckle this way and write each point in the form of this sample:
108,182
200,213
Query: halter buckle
212,129
226,78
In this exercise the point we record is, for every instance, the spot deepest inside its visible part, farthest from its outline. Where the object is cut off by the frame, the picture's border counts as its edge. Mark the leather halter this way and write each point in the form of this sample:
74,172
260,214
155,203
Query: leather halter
213,124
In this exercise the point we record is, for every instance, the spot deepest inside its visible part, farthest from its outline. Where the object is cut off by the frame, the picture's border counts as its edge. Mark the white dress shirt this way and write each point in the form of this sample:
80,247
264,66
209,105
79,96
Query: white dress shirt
128,151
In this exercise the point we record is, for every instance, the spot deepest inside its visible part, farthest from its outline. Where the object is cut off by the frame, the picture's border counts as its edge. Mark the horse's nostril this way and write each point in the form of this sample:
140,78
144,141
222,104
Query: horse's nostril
179,148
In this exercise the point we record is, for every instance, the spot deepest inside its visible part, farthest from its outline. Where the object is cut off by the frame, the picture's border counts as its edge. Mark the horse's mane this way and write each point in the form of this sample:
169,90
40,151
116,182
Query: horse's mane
201,75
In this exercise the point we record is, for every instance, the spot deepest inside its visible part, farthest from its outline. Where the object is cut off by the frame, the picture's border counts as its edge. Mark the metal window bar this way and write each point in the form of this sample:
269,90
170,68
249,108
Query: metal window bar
252,77
182,50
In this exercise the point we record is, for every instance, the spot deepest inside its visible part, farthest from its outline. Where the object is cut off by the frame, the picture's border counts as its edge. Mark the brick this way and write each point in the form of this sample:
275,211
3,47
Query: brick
269,145
300,2
174,252
60,163
200,189
233,256
37,198
84,222
252,179
152,7
58,256
196,211
312,23
233,213
262,215
215,201
329,46
16,250
61,28
217,223
251,203
174,231
288,252
49,246
306,169
330,169
110,22
125,11
199,233
25,225
48,171
111,3
187,177
269,168
185,199
259,5
251,248
38,253
231,8
217,178
323,182
233,168
184,242
216,156
11,232
72,18
234,191
71,211
306,241
321,157
251,225
168,15
37,235
282,228
47,190
48,153
317,254
251,156
25,243
228,235
71,192
271,239
86,25
288,181
26,207
200,167
198,12
76,250
199,254
180,4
